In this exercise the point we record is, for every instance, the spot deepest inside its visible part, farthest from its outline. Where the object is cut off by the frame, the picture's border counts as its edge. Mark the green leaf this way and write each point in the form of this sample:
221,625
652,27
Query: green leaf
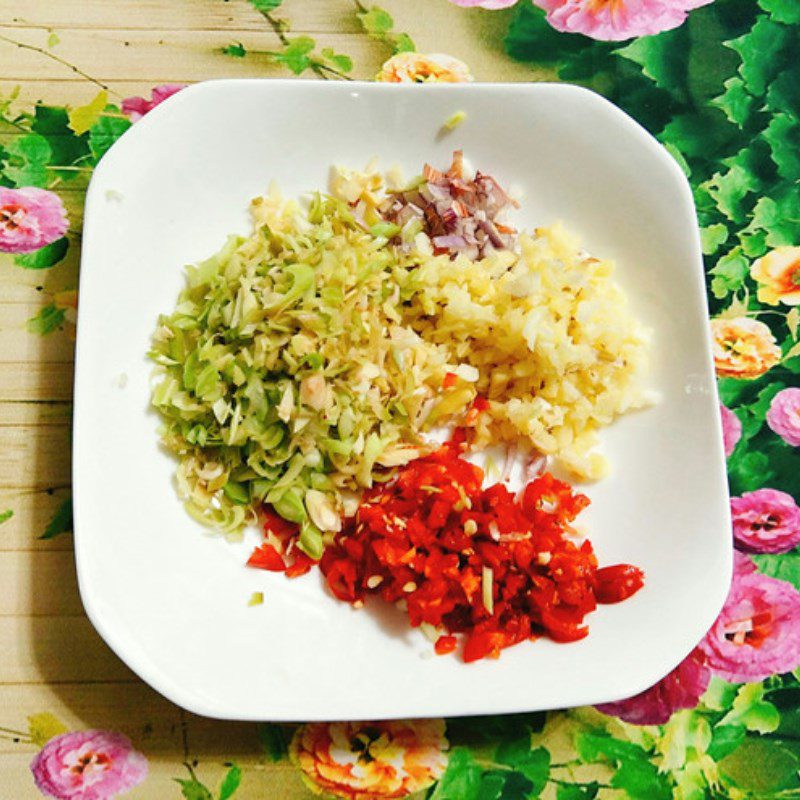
237,50
67,147
698,134
273,741
533,764
641,780
763,768
230,783
710,63
61,521
341,62
494,729
265,6
530,37
786,11
8,100
47,320
684,736
44,727
720,694
729,274
295,55
793,321
403,43
751,710
192,789
44,257
378,24
779,216
492,786
5,516
104,133
662,58
754,244
635,774
724,740
53,39
376,21
588,792
503,785
27,157
736,102
748,471
763,50
784,92
462,778
83,117
691,782
753,415
783,136
678,156
730,189
787,701
713,237
785,567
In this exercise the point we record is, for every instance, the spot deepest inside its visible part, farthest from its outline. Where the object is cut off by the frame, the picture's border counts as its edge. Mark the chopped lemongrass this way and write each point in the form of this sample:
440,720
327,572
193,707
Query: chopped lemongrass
454,120
256,599
487,584
431,632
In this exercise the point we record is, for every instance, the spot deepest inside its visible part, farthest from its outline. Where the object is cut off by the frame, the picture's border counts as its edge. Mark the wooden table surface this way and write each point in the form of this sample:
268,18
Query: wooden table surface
52,659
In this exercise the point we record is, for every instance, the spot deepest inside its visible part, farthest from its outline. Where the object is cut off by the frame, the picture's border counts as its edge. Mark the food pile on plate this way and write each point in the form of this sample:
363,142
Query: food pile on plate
308,372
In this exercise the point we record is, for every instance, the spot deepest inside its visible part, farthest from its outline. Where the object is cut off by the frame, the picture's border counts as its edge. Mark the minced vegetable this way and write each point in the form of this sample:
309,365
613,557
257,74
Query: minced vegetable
307,361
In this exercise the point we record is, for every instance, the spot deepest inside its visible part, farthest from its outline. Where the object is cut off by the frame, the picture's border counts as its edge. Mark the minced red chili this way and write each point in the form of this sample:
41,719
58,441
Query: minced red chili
280,554
496,567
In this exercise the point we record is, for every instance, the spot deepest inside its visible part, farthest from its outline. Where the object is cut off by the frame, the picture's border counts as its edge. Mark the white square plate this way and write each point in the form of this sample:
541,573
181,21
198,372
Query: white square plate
172,602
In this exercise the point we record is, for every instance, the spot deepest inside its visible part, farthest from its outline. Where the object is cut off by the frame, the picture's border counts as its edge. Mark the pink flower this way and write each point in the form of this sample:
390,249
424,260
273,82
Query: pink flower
784,416
30,218
731,428
614,20
757,633
766,521
743,564
88,765
492,5
137,107
682,688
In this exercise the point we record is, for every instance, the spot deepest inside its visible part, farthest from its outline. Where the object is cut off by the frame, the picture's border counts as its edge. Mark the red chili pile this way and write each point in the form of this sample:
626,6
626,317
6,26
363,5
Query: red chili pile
495,567
480,562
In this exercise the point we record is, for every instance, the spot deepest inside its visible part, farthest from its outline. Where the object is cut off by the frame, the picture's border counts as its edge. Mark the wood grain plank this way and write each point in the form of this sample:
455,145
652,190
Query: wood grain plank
17,344
36,380
34,414
55,650
258,783
175,56
33,286
34,456
32,510
186,15
21,284
152,722
39,583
